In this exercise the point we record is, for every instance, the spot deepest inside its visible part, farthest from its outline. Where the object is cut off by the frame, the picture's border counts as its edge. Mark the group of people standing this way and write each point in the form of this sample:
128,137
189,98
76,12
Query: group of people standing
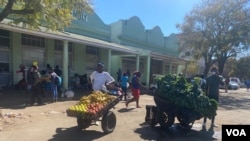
36,83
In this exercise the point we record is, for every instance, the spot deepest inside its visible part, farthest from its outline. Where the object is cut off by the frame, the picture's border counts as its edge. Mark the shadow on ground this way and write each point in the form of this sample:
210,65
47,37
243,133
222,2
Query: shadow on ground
19,99
75,134
174,133
231,102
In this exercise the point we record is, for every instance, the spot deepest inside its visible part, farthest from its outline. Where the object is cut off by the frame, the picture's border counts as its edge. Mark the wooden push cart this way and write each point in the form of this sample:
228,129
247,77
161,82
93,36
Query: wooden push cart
105,115
165,112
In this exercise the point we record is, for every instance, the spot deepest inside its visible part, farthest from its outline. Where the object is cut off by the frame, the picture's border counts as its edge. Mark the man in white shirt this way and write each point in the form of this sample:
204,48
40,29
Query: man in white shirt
100,77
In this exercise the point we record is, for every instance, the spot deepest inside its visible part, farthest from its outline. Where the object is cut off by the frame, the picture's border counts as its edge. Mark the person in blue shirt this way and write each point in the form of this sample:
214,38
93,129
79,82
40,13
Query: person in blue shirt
124,85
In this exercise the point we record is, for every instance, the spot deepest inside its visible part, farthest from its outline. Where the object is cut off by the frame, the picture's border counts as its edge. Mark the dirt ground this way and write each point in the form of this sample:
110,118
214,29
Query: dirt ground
49,122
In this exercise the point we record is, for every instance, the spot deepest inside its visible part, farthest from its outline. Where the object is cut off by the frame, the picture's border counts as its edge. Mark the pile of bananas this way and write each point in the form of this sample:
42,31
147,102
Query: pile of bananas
91,104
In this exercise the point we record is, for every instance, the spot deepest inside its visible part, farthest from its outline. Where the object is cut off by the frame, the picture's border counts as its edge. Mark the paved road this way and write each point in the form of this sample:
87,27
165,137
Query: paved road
233,109
56,126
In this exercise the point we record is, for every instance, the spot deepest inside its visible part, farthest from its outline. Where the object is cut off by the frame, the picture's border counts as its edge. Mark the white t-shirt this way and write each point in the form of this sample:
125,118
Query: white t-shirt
100,79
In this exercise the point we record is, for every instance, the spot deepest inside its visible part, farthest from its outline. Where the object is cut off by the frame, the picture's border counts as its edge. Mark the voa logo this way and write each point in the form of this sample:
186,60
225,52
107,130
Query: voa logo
236,132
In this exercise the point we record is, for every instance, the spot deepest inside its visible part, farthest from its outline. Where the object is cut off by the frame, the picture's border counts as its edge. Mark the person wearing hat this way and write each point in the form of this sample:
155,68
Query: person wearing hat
212,91
34,85
99,78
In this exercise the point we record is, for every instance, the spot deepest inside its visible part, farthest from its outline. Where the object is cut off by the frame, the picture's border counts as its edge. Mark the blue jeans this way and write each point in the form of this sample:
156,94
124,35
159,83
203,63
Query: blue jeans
54,91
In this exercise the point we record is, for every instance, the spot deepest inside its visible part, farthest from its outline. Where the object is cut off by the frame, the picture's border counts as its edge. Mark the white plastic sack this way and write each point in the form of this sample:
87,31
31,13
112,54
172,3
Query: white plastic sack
127,84
69,94
129,95
29,87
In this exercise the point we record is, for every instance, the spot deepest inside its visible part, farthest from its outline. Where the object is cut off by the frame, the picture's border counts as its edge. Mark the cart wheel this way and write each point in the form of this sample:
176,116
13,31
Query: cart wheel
83,123
184,123
108,122
165,119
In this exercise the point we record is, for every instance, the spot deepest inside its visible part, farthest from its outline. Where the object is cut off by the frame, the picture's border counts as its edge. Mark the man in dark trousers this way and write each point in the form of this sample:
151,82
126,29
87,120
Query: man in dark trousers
212,91
36,87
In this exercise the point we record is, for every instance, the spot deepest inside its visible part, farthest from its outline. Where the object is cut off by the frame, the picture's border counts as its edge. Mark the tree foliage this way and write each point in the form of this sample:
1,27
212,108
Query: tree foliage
242,68
216,30
230,67
53,14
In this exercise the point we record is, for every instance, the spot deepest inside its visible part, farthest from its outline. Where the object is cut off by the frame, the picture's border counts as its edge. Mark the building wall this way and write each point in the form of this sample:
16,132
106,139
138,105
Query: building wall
155,37
171,45
50,52
79,59
130,33
115,64
90,25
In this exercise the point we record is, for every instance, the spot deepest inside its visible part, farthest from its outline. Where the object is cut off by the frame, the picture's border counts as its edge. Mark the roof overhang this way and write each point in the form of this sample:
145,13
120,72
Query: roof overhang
177,60
71,37
68,37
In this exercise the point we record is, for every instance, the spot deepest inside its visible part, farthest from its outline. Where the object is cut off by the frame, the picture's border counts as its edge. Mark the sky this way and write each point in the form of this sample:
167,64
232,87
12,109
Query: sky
163,13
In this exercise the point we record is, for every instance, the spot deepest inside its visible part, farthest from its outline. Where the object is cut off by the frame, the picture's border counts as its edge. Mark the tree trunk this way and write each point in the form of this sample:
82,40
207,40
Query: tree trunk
221,63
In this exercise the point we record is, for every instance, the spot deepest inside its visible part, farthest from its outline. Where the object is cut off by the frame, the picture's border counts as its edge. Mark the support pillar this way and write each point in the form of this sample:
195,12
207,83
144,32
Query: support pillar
65,65
109,60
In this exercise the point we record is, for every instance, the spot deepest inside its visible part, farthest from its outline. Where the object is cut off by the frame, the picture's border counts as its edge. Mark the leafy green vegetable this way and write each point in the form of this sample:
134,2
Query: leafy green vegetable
184,94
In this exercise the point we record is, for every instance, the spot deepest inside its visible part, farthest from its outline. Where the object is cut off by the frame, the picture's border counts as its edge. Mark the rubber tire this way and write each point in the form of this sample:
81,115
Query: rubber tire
165,119
184,123
83,123
108,122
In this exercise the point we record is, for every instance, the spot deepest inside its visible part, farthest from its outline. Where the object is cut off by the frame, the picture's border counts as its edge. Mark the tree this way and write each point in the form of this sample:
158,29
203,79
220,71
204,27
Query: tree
230,67
216,30
53,14
242,68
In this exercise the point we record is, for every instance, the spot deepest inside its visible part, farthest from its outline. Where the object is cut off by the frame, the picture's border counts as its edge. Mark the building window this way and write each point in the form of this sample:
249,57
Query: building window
171,70
34,54
4,39
167,69
4,50
156,67
34,41
4,60
59,51
59,46
92,50
174,69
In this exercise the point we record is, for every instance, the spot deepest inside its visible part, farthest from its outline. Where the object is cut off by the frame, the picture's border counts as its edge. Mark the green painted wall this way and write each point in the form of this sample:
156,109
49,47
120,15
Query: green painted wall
155,37
133,28
90,25
131,32
116,63
116,30
50,52
172,45
79,59
16,52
